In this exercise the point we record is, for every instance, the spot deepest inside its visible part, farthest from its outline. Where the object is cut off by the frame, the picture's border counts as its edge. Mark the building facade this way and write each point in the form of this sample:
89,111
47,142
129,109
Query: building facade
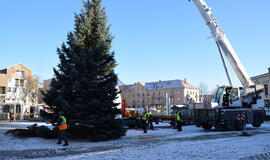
158,94
44,87
18,89
263,79
46,84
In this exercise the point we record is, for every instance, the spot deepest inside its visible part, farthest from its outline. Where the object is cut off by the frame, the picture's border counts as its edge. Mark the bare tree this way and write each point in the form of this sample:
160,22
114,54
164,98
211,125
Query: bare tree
203,88
204,92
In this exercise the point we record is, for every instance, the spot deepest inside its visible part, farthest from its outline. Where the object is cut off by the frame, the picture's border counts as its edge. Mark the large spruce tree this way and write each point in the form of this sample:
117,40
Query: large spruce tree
84,86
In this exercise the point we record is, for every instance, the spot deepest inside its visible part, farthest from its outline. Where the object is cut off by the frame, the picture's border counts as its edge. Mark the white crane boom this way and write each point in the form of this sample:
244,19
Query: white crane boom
223,42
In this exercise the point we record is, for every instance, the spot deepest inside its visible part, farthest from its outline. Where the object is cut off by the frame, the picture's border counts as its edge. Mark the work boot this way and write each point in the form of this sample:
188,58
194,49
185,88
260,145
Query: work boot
66,144
59,142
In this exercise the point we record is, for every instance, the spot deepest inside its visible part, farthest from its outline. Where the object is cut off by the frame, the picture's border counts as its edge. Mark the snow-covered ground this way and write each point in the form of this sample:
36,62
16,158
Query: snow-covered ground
163,143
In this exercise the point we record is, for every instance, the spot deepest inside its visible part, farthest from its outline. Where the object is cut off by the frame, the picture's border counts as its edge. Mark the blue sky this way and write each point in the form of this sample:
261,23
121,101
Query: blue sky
154,39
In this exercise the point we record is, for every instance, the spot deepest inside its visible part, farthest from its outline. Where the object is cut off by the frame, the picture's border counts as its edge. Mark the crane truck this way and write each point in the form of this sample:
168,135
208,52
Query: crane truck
233,107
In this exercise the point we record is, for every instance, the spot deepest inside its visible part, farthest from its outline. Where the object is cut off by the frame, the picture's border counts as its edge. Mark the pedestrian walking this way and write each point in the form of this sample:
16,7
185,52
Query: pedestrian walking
62,125
11,116
178,121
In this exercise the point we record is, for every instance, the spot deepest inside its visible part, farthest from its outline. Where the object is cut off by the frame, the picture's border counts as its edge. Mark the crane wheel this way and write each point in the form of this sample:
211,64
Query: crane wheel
257,121
240,125
230,125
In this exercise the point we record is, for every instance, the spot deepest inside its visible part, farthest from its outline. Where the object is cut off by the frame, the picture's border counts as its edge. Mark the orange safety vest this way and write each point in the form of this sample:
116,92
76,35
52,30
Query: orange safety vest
63,125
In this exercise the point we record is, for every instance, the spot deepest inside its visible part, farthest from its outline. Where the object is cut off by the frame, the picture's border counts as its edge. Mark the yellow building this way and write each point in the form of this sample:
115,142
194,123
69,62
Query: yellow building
18,90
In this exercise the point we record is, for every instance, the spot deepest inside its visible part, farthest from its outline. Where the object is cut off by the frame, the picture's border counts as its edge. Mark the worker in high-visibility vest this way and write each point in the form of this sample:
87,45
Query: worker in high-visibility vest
178,121
145,121
150,121
62,125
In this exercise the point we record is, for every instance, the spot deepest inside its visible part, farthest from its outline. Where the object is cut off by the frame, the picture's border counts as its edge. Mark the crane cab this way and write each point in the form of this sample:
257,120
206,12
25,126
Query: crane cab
228,96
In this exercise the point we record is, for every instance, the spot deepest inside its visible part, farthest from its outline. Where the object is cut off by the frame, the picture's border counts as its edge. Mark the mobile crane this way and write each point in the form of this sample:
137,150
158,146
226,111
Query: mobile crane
233,106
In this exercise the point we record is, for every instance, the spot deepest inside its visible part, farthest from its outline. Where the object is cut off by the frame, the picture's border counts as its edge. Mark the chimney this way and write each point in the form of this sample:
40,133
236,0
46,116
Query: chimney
269,70
185,80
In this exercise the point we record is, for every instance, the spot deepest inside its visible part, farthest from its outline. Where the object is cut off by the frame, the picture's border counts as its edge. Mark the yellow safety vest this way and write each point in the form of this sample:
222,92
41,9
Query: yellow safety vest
144,117
178,118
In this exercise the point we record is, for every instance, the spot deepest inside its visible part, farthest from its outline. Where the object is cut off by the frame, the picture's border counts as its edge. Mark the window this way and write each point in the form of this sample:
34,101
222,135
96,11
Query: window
16,82
9,80
9,89
22,74
5,109
178,93
14,89
234,94
266,89
21,82
18,109
219,93
19,74
3,90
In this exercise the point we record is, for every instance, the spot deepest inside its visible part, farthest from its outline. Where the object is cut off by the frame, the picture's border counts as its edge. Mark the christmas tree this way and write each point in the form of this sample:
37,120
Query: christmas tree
84,85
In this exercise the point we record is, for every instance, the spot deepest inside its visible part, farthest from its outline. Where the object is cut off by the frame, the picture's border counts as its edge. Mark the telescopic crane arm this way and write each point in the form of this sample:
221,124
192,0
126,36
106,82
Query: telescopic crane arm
223,42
